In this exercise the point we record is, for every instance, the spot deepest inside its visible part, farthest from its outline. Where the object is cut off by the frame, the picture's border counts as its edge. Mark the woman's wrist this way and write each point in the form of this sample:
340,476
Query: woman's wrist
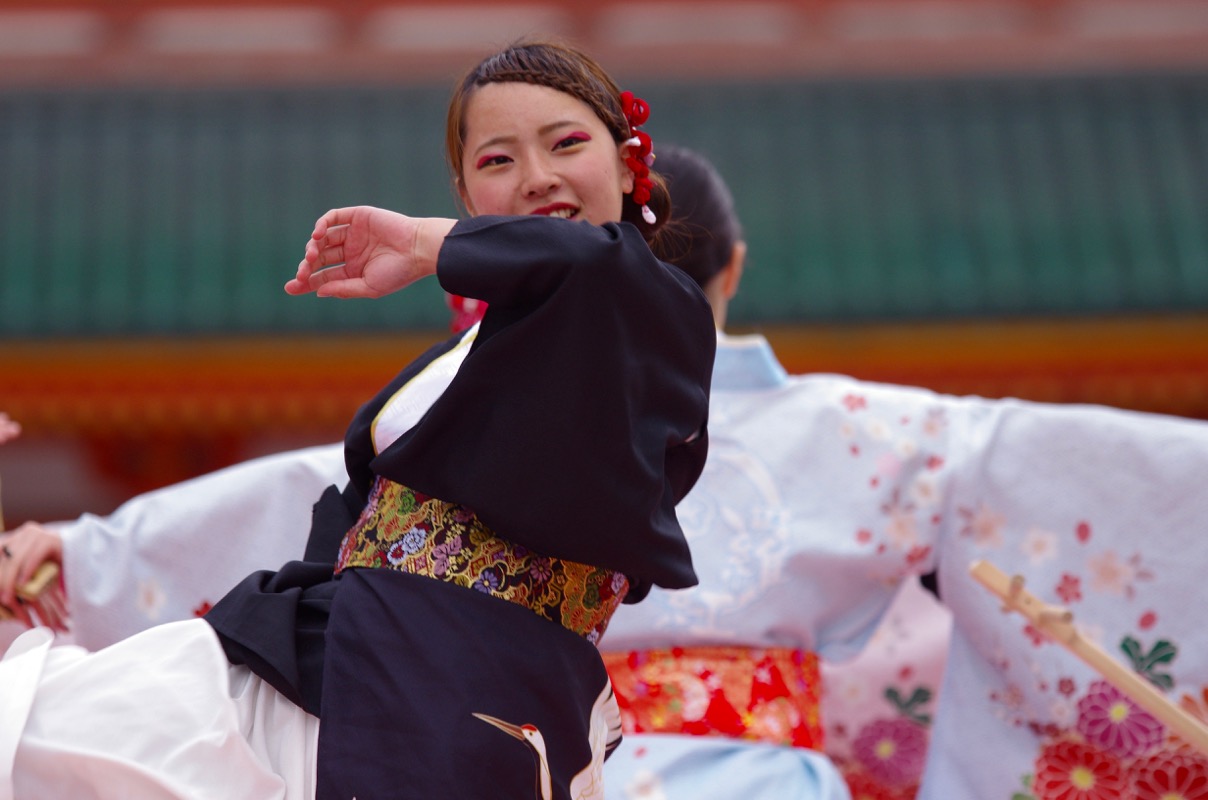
429,237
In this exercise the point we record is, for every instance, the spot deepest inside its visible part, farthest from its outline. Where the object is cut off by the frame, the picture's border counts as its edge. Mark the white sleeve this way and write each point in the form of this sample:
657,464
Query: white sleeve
1100,511
165,555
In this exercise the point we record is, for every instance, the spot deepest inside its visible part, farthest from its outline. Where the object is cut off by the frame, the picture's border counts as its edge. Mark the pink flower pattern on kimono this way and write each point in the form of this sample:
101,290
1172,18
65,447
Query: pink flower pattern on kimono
935,422
902,527
881,758
1039,546
1070,588
892,750
983,525
1110,719
855,402
1109,574
1037,636
906,474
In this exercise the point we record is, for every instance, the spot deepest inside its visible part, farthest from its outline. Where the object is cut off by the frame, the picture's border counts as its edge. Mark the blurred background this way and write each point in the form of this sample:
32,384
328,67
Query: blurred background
996,197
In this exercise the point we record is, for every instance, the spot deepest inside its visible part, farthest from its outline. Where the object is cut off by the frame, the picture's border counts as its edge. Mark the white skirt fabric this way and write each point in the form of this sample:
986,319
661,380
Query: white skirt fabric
161,715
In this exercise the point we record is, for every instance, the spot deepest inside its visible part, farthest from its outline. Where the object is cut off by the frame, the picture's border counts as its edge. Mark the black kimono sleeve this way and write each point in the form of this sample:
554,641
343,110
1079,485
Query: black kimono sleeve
577,421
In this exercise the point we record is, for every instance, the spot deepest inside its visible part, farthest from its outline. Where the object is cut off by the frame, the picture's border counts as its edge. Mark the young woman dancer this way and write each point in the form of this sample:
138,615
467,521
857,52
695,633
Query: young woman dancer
482,544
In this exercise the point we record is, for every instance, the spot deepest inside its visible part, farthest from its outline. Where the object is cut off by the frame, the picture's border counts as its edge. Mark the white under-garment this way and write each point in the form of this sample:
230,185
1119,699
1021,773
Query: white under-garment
161,715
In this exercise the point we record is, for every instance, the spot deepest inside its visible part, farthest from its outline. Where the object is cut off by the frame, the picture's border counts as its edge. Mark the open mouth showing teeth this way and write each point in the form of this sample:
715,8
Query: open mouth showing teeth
564,213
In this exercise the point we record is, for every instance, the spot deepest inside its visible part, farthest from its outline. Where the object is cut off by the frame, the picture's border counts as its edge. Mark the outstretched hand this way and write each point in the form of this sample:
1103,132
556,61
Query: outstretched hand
368,252
25,550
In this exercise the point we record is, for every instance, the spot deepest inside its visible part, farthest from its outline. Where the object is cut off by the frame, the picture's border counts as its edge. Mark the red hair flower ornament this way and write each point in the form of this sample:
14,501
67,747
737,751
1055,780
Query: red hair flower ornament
641,156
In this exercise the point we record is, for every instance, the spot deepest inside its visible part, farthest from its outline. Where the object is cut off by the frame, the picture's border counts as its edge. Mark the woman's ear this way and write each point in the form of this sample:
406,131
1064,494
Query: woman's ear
733,270
721,288
624,150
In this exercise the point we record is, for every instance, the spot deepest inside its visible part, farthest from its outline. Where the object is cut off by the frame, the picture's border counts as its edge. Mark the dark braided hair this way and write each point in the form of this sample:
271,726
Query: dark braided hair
560,67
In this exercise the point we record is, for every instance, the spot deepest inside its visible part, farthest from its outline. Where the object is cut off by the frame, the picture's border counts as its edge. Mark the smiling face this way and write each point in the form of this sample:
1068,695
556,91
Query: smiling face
531,149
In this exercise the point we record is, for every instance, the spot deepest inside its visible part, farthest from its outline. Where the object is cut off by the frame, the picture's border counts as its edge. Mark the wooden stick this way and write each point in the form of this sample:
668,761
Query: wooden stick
1058,623
31,591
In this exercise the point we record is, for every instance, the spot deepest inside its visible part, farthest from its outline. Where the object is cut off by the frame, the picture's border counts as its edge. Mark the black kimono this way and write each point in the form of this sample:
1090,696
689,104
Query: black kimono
571,429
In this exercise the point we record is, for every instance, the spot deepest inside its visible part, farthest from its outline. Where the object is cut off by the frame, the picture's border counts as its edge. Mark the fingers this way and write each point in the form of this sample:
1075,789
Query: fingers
336,282
51,608
336,218
318,280
328,256
300,283
330,282
22,552
9,568
360,252
297,286
19,612
334,238
307,279
325,248
32,546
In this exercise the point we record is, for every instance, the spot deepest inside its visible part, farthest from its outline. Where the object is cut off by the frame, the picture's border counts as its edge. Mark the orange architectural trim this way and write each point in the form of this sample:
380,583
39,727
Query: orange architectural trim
305,382
205,385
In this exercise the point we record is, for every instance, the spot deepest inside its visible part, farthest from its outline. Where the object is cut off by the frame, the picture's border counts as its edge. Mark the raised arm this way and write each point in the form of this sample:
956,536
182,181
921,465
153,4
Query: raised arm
363,251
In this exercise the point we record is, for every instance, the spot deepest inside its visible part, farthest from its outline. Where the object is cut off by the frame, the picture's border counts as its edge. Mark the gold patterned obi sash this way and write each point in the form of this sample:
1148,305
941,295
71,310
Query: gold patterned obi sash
737,692
408,531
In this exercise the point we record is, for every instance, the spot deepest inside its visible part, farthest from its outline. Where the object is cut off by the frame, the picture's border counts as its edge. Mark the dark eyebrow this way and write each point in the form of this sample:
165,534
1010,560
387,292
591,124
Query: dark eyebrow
542,131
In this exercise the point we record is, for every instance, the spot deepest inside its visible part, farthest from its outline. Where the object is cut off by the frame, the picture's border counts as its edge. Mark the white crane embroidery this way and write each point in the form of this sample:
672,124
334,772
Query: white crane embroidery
603,732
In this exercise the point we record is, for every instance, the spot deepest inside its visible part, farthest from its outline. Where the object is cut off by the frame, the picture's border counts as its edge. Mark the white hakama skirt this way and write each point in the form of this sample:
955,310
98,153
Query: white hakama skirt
159,715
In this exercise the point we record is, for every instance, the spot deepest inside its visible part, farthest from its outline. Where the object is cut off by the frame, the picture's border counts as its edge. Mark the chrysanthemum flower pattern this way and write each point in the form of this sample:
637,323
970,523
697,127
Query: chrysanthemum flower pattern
892,750
1111,720
863,787
1167,775
1073,770
1116,750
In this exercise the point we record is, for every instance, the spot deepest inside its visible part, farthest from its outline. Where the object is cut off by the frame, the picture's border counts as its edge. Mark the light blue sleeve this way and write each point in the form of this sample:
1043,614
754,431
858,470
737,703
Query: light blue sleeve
673,767
162,556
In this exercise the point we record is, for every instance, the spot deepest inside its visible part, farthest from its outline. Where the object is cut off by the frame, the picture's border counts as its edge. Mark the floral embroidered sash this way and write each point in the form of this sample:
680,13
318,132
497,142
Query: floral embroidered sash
408,531
767,695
